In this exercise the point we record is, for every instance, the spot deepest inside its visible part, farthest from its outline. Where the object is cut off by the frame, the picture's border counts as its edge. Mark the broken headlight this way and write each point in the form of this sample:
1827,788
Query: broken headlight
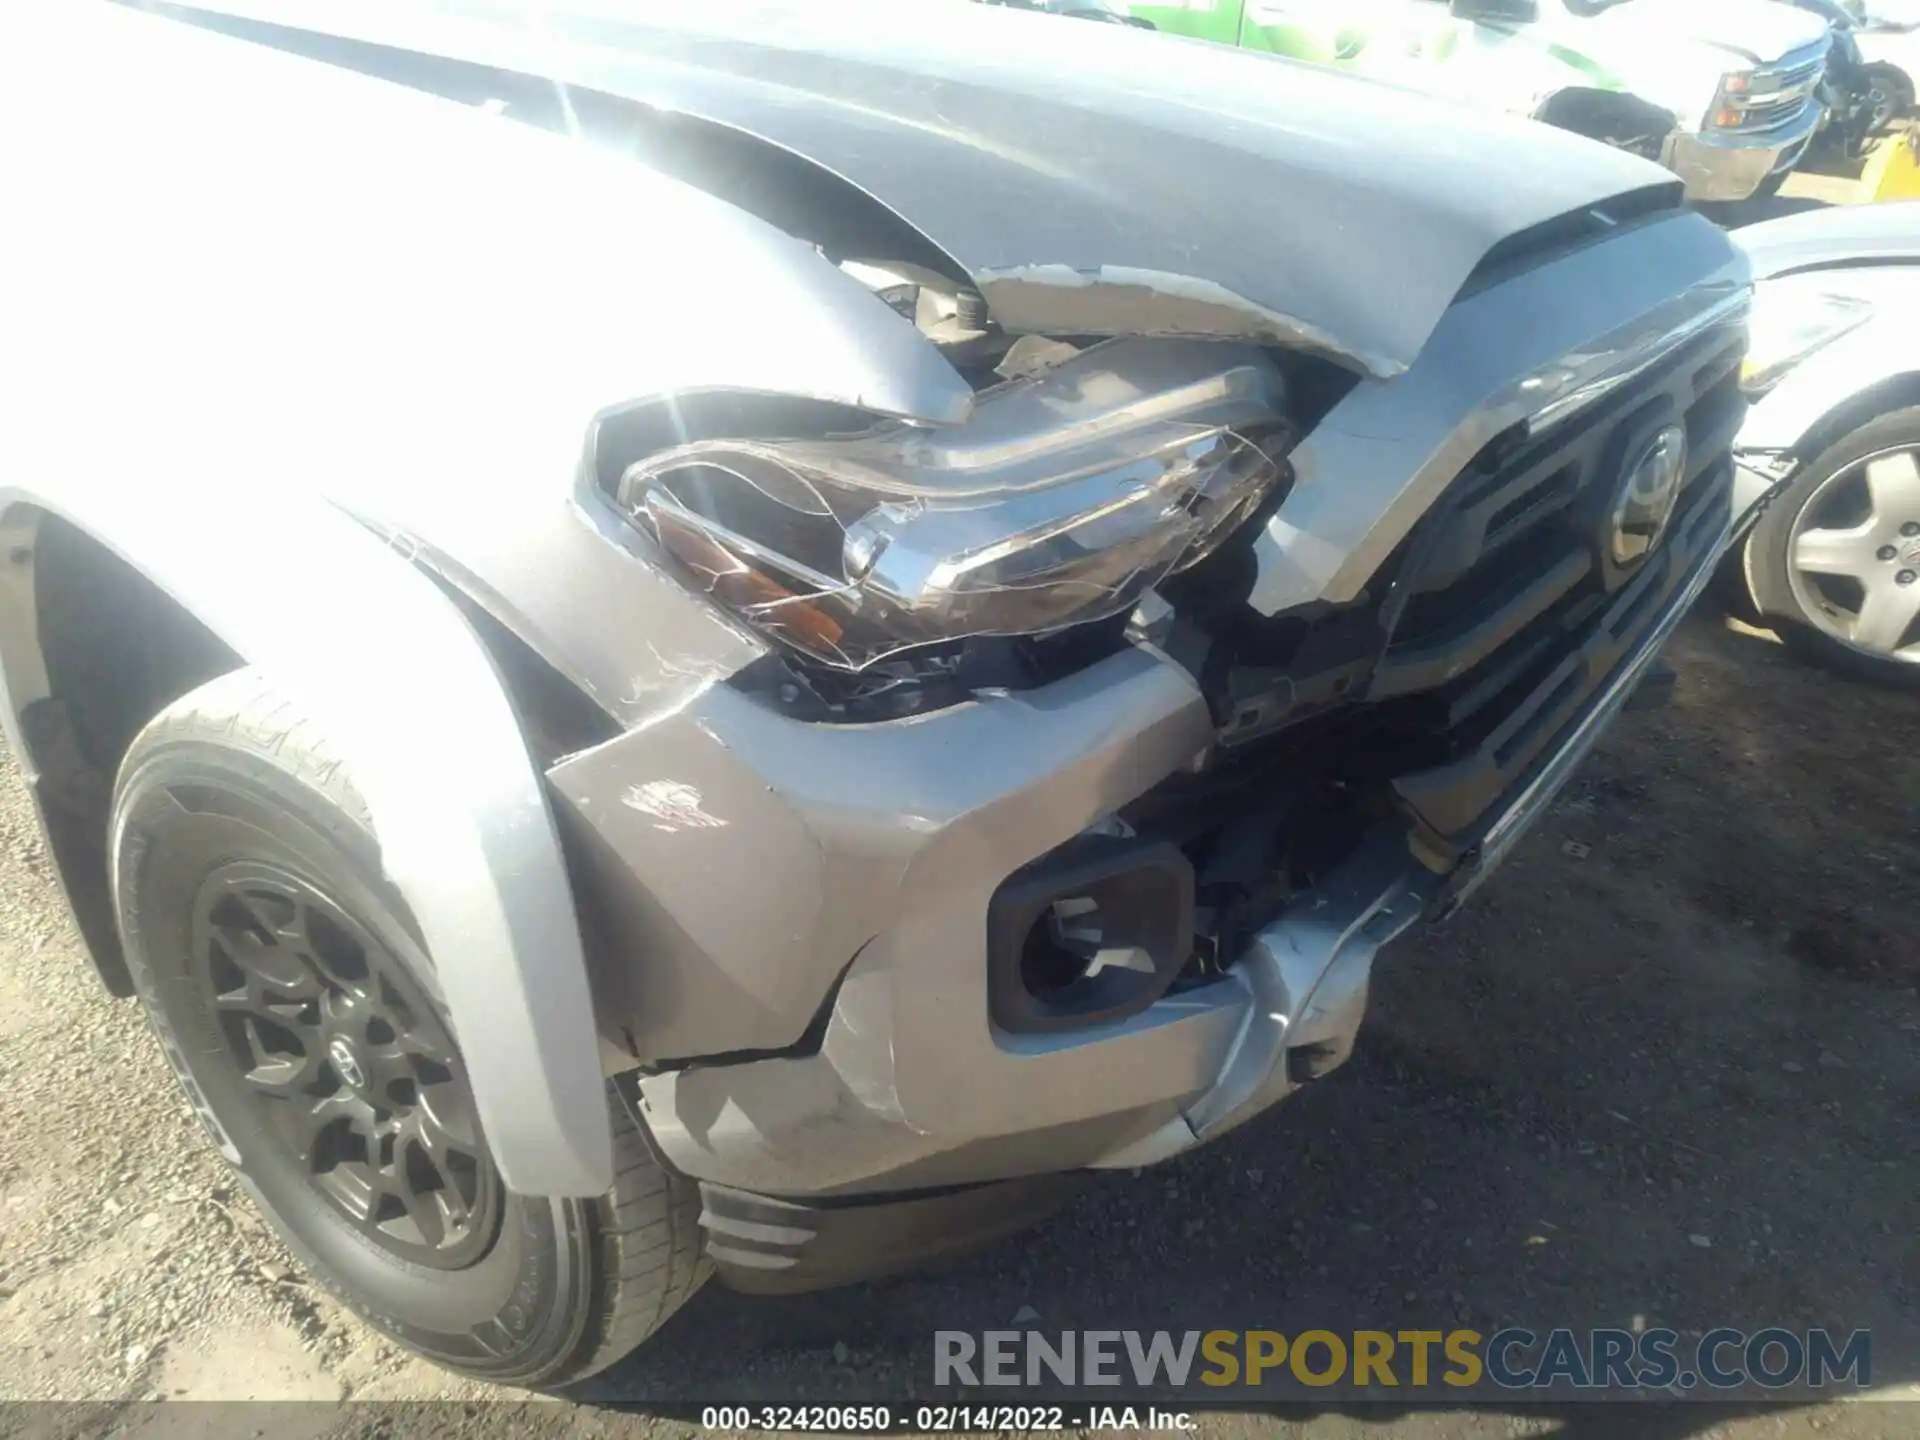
1062,499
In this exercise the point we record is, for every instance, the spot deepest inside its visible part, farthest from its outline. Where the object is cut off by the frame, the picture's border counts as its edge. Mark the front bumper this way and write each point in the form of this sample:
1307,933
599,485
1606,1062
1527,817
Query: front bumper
908,1086
1728,165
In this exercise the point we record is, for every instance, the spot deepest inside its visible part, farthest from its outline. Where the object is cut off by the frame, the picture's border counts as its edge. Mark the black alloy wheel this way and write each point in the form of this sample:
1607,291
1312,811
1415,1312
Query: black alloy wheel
349,1064
295,996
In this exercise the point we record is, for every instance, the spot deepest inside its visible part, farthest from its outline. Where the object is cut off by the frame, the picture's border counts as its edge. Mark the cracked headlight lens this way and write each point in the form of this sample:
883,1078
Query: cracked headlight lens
1061,500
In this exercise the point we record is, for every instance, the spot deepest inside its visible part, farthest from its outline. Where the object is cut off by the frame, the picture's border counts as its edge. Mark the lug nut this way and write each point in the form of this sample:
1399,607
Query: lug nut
1885,552
1905,577
1912,527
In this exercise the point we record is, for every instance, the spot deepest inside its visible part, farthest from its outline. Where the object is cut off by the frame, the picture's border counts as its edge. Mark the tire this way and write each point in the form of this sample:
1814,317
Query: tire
1816,615
1891,94
286,980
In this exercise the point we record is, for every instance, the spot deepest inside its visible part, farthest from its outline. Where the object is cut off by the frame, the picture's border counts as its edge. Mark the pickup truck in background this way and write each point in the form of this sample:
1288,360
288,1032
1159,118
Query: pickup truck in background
1725,93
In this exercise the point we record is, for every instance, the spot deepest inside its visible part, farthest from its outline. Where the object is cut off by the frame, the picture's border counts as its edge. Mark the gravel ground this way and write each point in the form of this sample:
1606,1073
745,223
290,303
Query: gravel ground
1667,1067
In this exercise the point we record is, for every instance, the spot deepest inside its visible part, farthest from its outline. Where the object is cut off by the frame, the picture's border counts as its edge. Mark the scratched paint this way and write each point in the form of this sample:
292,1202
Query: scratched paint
672,805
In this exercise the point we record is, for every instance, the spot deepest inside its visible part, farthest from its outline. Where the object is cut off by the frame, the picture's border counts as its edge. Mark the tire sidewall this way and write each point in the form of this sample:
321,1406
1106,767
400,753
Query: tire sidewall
183,808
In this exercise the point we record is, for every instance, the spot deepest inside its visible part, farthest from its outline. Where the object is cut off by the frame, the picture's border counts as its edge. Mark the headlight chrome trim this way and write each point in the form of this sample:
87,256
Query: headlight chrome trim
1061,501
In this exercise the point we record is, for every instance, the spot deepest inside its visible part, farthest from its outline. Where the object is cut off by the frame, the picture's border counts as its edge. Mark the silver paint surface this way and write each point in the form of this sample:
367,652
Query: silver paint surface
413,312
913,1088
1569,332
821,842
1139,184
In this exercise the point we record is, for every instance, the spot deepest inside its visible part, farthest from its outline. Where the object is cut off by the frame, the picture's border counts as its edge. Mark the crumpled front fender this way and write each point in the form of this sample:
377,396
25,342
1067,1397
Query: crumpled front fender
185,398
393,673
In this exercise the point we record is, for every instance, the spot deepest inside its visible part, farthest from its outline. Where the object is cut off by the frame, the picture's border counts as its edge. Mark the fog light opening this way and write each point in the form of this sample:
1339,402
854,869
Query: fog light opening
1090,934
1068,943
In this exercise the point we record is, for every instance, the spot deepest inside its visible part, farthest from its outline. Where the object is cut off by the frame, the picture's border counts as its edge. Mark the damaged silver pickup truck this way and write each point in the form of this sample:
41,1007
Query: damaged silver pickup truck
669,639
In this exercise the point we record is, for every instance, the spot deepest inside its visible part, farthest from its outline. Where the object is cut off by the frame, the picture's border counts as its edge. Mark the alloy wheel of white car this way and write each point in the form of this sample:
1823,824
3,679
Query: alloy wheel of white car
1838,555
1861,528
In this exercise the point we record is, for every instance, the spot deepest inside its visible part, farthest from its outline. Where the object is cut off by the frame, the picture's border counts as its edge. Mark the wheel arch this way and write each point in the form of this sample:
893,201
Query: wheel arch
414,699
1895,392
90,650
1818,403
1596,112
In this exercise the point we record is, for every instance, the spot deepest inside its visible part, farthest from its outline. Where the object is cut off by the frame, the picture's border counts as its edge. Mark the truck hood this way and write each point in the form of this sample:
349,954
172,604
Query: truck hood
1755,32
1091,179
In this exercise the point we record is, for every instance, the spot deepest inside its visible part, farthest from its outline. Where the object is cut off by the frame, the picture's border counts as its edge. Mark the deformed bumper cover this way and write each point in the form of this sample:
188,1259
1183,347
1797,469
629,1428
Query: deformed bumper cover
773,851
912,1088
872,852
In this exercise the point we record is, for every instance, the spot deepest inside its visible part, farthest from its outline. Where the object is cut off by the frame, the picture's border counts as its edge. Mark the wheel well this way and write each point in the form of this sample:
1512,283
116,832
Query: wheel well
1892,393
92,650
106,650
1610,116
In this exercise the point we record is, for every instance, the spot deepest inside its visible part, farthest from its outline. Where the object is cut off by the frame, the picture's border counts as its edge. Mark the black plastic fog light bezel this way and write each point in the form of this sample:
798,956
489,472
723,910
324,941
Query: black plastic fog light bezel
1145,887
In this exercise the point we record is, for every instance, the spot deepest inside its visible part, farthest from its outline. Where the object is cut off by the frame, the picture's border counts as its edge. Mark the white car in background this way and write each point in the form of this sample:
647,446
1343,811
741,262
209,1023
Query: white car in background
1833,435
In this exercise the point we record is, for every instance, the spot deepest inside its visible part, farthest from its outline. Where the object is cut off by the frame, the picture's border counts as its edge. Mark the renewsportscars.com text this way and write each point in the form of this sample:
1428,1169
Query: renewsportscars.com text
1441,1361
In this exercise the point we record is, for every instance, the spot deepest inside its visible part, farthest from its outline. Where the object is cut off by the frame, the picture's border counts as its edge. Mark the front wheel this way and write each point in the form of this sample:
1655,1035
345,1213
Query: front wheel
292,993
1836,558
1889,97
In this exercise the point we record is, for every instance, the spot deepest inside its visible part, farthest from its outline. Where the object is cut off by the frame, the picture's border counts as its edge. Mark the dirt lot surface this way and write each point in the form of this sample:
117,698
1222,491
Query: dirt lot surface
1667,1066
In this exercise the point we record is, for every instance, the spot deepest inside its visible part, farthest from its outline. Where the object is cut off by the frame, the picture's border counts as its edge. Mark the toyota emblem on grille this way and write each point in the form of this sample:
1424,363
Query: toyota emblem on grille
1644,503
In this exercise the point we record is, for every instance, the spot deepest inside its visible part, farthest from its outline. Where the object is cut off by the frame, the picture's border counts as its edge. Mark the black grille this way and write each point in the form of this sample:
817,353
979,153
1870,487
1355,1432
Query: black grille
1507,612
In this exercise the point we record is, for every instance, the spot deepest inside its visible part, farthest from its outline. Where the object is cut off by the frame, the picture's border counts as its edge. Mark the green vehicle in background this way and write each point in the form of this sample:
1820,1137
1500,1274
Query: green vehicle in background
1726,93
